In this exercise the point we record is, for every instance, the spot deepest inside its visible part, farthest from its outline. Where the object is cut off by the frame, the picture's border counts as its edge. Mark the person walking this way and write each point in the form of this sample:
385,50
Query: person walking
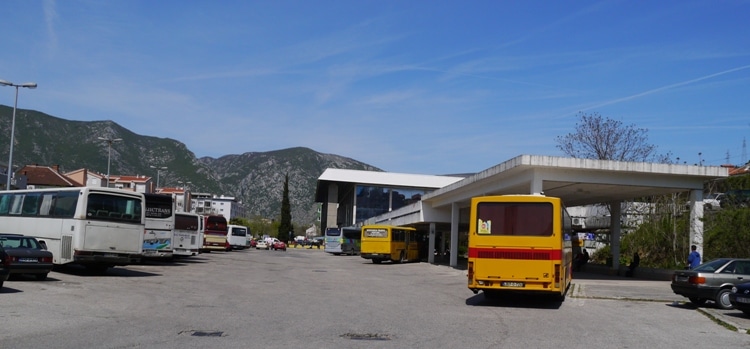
694,258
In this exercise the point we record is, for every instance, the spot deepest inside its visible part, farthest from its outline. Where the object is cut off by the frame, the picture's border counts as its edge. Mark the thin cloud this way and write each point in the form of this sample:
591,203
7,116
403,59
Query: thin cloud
664,88
50,17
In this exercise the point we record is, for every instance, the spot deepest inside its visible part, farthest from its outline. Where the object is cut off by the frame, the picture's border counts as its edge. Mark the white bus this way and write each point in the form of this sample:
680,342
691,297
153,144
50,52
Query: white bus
187,234
95,227
237,236
346,240
157,237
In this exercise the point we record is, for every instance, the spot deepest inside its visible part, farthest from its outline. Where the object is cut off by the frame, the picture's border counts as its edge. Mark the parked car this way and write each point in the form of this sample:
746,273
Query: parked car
740,297
711,281
261,245
278,245
316,241
4,266
26,255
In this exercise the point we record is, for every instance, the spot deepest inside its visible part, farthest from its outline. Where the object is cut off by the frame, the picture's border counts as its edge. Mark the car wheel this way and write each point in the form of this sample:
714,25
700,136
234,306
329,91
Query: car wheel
41,277
722,299
697,301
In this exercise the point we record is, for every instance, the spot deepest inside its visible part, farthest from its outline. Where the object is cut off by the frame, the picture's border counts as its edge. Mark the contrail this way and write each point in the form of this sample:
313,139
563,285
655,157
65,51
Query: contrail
646,93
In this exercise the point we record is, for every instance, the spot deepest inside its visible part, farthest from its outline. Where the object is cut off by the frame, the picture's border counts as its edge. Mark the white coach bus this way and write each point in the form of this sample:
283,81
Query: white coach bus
186,240
158,235
95,227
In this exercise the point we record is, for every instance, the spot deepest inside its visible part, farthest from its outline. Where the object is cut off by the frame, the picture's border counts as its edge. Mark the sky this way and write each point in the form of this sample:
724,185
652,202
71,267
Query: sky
424,87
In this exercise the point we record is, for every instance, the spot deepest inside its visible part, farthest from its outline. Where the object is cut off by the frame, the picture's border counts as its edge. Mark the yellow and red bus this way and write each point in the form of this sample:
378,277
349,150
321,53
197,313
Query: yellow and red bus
521,244
389,243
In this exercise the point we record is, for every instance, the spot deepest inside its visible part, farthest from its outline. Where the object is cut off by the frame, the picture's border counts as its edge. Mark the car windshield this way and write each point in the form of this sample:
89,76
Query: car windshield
711,266
19,242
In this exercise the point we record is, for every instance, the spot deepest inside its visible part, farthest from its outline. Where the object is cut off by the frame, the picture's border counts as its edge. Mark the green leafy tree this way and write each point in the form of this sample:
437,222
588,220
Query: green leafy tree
285,225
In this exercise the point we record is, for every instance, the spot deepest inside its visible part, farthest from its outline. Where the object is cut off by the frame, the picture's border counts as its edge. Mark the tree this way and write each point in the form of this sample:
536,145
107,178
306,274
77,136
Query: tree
602,138
286,213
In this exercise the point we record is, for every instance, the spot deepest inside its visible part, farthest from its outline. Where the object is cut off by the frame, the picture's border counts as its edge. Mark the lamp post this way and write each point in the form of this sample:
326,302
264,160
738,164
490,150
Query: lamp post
30,85
158,169
109,156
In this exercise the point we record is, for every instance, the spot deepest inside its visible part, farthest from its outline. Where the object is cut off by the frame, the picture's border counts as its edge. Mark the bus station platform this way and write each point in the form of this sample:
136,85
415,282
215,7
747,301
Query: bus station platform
648,285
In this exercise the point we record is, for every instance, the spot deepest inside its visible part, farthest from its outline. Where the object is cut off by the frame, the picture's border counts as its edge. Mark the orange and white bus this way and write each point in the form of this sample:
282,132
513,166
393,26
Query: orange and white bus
519,243
389,243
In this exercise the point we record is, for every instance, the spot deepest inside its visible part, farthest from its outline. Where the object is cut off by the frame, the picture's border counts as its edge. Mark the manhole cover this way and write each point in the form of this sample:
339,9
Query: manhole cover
366,336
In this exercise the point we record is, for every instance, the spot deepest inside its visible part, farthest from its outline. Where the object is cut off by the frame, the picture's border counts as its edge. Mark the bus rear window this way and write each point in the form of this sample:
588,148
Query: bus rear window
376,233
514,219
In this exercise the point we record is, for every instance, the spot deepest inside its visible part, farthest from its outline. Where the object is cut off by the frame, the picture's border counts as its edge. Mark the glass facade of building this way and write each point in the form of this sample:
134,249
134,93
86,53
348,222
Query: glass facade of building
372,201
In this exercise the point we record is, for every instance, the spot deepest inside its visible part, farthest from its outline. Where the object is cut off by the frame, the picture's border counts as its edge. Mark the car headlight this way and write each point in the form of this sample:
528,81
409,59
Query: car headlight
734,289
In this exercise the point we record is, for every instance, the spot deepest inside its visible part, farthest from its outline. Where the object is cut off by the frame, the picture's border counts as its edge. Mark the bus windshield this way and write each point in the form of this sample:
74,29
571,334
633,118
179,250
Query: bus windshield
159,206
239,231
375,233
112,207
514,218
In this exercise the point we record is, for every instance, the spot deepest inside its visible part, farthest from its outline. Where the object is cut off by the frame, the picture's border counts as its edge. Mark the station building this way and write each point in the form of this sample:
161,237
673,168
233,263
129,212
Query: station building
440,204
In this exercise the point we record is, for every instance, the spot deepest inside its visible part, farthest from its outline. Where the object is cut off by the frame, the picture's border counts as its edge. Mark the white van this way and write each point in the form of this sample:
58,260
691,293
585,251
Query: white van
237,236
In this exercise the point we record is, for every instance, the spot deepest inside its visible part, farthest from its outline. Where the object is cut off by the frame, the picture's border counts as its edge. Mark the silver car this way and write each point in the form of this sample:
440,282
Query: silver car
711,281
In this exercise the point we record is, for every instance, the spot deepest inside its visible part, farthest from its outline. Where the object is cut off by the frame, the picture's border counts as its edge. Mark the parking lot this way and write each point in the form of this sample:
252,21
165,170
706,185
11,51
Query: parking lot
305,298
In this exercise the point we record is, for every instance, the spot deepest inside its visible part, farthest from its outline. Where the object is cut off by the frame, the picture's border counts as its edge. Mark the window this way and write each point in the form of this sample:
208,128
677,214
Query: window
514,219
101,205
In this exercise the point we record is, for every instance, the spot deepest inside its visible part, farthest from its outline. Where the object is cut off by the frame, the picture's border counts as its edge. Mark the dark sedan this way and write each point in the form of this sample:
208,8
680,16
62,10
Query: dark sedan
711,281
4,268
26,255
740,297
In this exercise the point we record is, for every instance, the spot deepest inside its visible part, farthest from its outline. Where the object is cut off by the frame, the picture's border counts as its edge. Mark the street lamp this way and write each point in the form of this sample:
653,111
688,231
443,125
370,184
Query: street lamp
158,169
30,85
109,157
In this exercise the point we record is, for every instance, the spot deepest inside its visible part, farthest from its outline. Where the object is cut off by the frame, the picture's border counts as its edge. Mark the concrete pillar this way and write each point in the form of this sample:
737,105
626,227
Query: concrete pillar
454,234
537,185
332,206
431,245
696,221
614,236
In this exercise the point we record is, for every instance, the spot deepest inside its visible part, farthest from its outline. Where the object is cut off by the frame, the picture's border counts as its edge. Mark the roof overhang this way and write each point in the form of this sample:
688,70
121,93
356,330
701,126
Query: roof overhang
577,181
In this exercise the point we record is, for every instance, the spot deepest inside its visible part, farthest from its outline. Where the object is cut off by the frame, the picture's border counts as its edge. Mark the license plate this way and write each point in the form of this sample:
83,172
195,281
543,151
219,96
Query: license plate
743,300
110,255
28,260
682,278
512,284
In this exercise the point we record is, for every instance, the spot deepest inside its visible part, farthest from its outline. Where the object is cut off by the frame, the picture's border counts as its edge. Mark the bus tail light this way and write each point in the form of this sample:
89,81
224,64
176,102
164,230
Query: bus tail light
470,272
557,275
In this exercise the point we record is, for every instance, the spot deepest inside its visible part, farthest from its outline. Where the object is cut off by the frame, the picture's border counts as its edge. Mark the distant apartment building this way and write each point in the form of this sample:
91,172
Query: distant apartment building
227,206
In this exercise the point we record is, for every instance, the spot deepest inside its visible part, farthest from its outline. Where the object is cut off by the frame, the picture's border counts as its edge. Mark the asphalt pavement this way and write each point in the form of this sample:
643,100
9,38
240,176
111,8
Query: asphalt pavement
598,282
605,286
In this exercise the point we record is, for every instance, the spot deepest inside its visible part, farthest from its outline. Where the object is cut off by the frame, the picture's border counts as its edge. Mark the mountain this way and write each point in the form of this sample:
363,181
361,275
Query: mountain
255,178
